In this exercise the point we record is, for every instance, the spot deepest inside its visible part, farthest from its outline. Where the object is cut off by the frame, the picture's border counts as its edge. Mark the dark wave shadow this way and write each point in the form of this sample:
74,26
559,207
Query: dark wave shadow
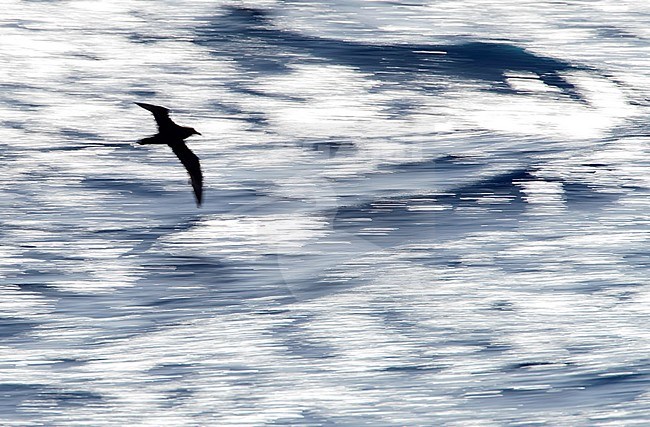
248,36
11,327
493,204
135,187
20,401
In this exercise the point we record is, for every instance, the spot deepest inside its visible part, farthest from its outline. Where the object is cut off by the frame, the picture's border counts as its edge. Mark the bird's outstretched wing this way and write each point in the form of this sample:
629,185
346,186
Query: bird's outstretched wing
161,114
191,163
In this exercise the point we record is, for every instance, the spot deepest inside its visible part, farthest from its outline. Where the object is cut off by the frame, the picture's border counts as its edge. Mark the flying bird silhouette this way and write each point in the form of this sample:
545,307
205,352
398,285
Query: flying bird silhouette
174,135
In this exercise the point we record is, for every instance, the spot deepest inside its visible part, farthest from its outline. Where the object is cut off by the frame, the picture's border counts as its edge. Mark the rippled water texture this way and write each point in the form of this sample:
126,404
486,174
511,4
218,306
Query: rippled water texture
415,213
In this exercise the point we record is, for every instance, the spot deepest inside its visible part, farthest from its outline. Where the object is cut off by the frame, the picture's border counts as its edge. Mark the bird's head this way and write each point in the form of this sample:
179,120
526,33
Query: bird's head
195,132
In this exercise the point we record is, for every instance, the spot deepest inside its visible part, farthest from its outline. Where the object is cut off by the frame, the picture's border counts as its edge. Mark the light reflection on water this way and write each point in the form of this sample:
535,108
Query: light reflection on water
412,214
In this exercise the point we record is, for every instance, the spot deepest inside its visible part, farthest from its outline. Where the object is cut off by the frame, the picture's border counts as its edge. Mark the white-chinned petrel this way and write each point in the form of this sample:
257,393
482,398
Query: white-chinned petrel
174,135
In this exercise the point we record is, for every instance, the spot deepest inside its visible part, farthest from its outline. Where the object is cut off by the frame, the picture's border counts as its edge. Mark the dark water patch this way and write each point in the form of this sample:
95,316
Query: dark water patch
398,109
12,395
194,267
502,306
227,108
177,396
249,37
615,379
250,190
26,283
597,286
147,236
141,188
234,35
20,399
236,20
638,259
171,371
306,348
141,38
65,398
408,369
92,56
596,166
333,148
445,162
537,365
234,112
177,302
34,287
311,417
238,87
546,390
6,388
607,391
76,134
492,204
257,201
493,347
489,204
14,124
143,93
22,24
627,296
66,363
480,339
11,327
13,95
24,106
399,321
170,299
271,312
586,197
298,342
609,31
200,283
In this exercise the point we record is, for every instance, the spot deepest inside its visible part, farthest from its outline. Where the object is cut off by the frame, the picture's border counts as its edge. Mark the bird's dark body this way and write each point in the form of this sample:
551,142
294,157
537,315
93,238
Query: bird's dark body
171,134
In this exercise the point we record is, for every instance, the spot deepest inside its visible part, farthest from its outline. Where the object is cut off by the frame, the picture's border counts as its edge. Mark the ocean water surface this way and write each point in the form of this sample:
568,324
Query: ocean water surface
415,213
